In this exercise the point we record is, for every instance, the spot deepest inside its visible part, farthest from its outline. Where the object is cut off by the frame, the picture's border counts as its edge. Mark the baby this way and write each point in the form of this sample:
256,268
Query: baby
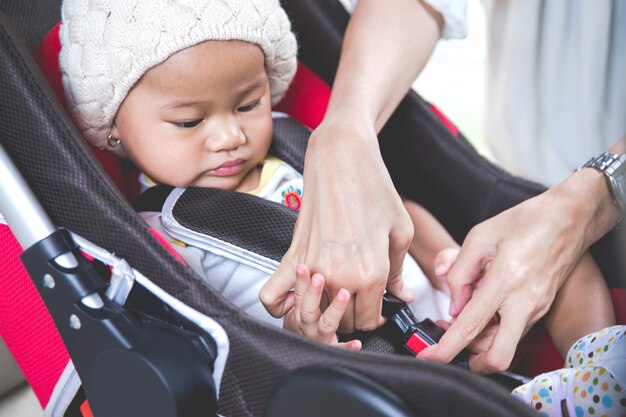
184,88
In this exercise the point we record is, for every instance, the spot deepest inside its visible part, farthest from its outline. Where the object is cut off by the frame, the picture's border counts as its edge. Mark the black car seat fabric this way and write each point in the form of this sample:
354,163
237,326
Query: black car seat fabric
32,19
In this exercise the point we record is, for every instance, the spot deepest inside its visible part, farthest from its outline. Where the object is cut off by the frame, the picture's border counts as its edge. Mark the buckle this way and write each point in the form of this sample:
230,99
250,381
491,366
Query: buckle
417,335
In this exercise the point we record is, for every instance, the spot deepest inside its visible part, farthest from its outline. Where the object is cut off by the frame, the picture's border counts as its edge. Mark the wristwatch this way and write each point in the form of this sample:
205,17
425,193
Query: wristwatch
613,166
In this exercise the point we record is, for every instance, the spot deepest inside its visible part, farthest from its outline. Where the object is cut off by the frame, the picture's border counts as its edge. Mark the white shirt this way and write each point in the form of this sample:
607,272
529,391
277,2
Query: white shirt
454,13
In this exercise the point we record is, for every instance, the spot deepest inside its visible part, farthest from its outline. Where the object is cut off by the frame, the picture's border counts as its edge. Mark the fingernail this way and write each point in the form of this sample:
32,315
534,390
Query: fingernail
440,269
454,310
408,295
451,309
317,281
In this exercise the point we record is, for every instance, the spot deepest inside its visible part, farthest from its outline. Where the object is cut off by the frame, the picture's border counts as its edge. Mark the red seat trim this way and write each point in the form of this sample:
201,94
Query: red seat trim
26,326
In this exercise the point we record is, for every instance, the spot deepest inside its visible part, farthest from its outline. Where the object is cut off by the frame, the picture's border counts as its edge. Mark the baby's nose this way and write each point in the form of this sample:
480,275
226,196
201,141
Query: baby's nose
227,136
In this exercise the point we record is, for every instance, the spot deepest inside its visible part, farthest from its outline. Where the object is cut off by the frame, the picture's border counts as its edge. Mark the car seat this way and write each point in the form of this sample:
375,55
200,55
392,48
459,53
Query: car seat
78,195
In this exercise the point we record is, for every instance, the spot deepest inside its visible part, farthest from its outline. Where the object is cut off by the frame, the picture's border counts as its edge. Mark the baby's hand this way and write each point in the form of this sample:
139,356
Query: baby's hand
443,262
306,317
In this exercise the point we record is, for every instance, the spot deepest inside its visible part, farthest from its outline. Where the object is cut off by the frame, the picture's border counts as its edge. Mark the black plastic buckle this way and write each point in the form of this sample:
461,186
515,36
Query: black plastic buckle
417,335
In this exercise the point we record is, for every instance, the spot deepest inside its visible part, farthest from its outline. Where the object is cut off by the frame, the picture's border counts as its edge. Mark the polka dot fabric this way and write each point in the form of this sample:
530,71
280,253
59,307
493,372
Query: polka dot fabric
592,384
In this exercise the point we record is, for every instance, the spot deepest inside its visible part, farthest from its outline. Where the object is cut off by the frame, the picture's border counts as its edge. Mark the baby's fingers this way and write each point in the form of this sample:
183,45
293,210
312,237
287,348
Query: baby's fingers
310,304
444,261
329,321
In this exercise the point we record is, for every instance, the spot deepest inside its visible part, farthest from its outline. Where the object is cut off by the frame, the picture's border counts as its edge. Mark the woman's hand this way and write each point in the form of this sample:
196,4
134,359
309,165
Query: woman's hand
523,256
352,228
306,317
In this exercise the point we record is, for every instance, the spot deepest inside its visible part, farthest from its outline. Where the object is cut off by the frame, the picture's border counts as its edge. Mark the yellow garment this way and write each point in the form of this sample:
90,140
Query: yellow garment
270,166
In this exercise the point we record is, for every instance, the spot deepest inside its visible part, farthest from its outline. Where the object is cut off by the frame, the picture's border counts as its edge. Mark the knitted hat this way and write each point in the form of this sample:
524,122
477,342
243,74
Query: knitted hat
108,45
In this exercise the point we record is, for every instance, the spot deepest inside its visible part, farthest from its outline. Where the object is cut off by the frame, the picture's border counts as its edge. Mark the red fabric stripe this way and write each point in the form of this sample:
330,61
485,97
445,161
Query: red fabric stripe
26,325
85,409
307,98
447,123
47,58
167,245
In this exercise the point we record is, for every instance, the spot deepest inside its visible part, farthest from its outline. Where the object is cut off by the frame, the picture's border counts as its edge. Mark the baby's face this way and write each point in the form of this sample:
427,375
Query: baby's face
202,118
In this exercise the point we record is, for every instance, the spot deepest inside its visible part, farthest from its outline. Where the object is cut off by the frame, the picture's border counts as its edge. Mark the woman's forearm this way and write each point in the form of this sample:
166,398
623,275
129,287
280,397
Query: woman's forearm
587,200
619,147
386,46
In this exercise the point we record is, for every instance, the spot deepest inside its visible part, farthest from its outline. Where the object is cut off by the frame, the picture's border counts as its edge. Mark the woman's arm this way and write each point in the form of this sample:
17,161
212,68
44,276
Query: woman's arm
352,227
386,46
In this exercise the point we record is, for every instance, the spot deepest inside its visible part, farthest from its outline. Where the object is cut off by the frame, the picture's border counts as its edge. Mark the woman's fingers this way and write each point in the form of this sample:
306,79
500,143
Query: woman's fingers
468,268
498,357
467,326
275,294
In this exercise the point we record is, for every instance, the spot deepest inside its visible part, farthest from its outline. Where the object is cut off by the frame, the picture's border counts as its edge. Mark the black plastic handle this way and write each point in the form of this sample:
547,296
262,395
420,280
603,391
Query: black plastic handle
130,364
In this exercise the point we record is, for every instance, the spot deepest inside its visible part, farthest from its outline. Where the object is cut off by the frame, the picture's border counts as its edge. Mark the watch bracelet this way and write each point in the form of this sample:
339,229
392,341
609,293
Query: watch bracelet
605,163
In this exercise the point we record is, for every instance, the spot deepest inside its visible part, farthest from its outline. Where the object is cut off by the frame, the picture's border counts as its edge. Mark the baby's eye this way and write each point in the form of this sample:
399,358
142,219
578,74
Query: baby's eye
188,124
249,107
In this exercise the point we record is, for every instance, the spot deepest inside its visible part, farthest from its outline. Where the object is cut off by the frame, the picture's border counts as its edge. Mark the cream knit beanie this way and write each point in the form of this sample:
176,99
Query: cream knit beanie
107,46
